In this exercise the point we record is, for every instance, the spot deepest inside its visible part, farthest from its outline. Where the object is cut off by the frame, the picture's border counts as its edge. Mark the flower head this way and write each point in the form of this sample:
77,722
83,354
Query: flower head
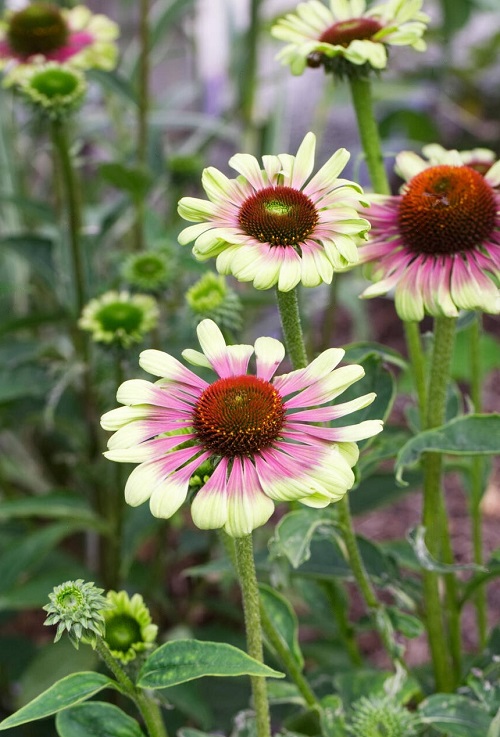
381,717
43,31
261,432
275,225
211,297
120,318
346,39
53,89
480,159
129,629
148,270
438,242
77,607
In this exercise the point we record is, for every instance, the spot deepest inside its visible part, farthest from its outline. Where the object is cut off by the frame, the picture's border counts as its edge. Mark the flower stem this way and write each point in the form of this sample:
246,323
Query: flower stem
363,581
61,145
288,305
142,114
251,607
362,100
417,362
477,466
435,520
149,709
290,664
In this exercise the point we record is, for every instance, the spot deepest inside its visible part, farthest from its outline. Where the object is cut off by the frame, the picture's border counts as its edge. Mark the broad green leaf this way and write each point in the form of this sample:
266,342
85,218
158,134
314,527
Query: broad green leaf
284,692
294,532
379,490
455,715
28,553
359,352
407,624
56,506
283,620
35,249
192,700
96,718
68,691
136,182
416,538
116,83
494,730
185,660
469,435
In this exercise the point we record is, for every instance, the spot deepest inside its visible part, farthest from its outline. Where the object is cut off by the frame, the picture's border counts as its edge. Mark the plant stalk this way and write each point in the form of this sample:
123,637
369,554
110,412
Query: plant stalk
251,606
435,520
288,306
417,362
477,467
361,93
149,709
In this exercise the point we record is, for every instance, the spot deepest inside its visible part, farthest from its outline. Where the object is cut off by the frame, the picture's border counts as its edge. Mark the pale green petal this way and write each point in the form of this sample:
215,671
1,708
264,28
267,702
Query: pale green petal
168,496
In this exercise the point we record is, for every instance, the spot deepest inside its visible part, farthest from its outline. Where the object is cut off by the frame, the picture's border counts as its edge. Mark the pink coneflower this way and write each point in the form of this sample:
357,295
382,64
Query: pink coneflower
260,434
43,32
275,225
438,243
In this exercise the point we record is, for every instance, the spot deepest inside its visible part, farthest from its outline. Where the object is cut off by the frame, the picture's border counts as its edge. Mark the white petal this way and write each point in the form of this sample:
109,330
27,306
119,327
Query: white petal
269,353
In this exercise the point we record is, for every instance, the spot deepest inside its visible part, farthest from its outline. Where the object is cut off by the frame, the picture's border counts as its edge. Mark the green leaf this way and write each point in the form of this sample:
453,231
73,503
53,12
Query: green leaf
133,180
416,538
294,532
379,490
284,619
184,660
494,730
57,506
331,716
35,249
96,718
408,625
68,691
29,552
469,435
359,352
455,715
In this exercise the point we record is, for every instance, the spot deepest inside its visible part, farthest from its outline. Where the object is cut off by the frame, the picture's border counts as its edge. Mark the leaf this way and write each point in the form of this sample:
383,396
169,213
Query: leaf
35,249
359,352
68,691
294,532
469,435
455,715
184,660
284,620
29,552
379,490
131,179
494,730
332,718
416,538
57,505
407,624
96,718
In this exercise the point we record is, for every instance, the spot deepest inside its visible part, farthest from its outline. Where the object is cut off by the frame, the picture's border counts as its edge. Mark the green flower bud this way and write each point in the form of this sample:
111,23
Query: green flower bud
211,298
53,89
129,629
77,608
120,318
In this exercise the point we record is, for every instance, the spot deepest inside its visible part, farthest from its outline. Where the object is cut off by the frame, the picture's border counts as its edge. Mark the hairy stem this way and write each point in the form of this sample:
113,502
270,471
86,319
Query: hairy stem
361,93
251,606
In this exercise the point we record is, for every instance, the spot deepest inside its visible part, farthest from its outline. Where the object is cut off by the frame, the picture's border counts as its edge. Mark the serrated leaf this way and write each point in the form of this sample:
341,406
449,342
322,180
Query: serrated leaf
96,718
455,715
469,435
283,619
68,691
185,660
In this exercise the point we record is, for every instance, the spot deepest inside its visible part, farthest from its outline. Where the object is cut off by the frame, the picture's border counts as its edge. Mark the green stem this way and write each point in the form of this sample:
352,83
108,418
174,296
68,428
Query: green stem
149,709
142,113
290,664
361,93
362,579
60,140
477,466
328,323
288,305
417,361
435,520
248,79
251,607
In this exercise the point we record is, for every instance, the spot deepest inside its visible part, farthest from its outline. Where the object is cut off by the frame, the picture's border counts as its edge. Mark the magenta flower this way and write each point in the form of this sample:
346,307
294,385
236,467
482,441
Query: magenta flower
437,244
43,32
261,435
